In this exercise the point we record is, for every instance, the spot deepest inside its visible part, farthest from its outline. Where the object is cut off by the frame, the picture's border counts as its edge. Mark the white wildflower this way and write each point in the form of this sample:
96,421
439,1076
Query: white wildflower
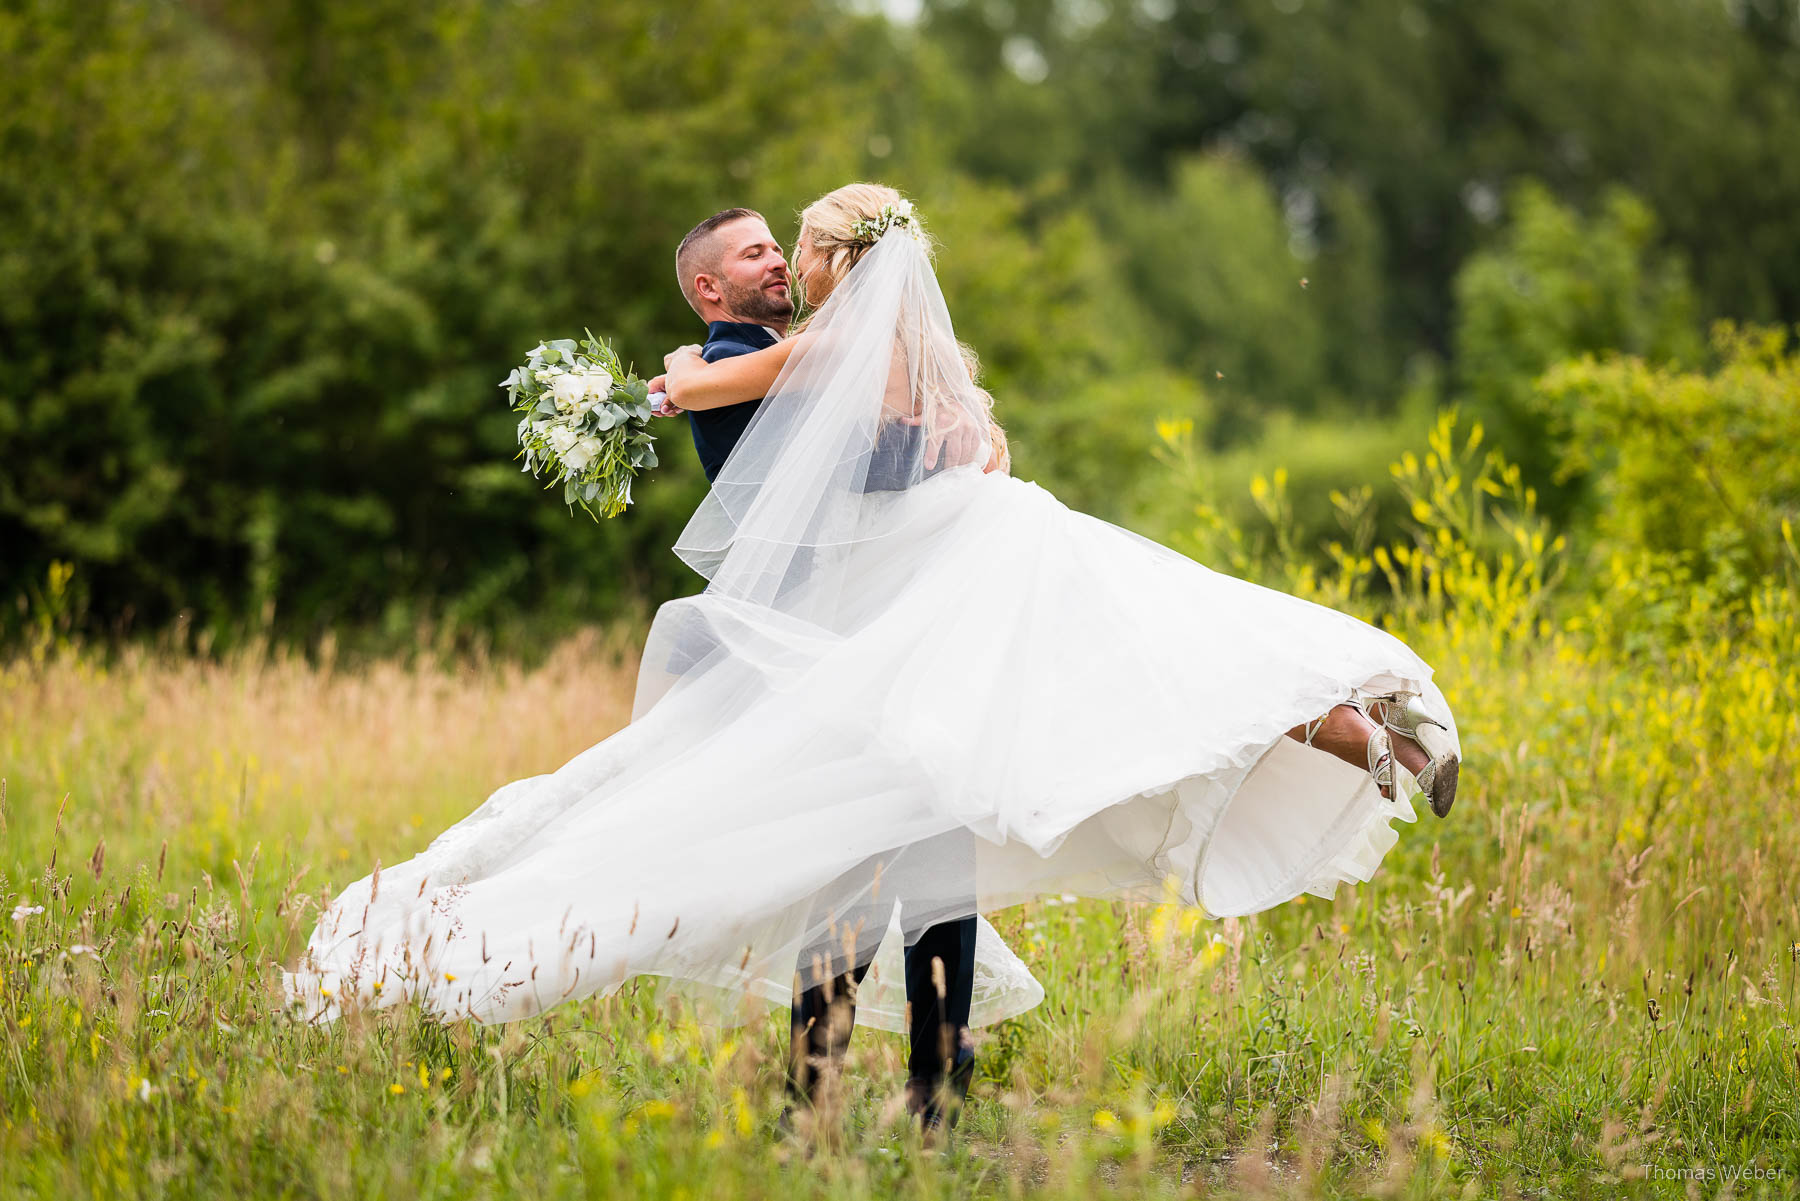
21,912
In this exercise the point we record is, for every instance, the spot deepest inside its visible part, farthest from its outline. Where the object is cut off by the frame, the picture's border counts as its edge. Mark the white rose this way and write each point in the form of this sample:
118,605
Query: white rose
562,441
577,457
568,389
599,385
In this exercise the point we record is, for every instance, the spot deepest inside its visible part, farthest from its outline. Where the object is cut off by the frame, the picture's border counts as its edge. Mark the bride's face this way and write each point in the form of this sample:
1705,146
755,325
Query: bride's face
809,265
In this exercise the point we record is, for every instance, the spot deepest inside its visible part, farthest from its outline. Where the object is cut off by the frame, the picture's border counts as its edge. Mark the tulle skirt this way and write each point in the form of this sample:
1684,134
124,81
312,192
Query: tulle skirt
1026,700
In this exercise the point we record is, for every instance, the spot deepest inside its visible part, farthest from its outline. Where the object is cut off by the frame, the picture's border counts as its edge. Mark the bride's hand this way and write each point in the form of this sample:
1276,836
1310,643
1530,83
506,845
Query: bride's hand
660,404
673,364
680,354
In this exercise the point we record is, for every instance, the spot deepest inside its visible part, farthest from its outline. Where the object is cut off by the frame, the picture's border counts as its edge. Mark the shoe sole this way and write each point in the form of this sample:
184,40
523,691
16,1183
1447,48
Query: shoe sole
1436,743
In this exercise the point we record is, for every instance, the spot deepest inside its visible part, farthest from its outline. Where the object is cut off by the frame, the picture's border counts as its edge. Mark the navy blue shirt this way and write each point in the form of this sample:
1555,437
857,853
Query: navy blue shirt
716,431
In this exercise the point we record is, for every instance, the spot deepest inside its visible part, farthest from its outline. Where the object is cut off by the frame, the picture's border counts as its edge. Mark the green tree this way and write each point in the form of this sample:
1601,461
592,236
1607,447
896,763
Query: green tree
1555,286
1216,275
263,264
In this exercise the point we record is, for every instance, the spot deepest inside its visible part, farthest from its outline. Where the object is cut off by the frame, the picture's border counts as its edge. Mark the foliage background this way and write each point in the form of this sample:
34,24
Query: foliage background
262,263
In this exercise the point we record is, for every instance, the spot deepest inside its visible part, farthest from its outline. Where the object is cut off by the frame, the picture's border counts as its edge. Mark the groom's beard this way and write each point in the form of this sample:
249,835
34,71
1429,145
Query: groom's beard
758,305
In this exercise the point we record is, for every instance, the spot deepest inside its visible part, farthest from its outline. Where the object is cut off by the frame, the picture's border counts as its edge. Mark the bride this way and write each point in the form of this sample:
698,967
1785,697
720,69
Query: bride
912,691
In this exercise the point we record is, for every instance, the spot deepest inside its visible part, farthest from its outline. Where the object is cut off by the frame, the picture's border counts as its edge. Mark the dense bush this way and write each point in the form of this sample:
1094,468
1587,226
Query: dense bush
1695,472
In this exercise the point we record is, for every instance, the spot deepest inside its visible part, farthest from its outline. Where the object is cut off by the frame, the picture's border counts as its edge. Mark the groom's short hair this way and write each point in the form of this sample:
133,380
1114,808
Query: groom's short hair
699,251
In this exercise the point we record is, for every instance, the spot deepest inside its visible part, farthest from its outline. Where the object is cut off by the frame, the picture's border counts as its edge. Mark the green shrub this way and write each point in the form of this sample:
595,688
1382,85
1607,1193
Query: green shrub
1700,467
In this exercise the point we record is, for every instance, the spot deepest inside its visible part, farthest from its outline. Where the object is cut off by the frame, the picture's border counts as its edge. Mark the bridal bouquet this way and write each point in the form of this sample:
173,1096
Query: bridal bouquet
583,422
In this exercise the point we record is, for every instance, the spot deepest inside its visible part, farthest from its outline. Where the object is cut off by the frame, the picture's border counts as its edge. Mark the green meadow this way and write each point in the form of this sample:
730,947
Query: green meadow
1580,984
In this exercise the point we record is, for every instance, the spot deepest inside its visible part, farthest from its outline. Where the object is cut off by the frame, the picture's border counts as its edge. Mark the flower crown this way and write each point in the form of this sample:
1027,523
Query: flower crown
870,229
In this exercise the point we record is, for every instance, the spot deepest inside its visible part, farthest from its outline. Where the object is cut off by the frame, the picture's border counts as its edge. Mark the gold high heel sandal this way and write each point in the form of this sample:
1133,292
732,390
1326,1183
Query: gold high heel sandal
1404,713
1380,749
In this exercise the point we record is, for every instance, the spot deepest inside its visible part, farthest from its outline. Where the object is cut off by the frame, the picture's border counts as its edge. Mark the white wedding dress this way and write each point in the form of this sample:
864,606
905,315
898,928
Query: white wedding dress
895,650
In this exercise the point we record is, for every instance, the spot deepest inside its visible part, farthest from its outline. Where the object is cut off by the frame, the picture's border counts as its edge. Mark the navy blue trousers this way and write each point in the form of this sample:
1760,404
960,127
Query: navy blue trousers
940,972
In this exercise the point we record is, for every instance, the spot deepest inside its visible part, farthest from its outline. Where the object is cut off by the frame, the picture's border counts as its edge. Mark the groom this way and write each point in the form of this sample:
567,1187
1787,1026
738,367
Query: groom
734,276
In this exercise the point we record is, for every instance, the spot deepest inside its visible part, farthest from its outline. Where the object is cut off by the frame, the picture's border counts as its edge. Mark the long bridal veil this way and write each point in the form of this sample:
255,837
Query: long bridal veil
762,807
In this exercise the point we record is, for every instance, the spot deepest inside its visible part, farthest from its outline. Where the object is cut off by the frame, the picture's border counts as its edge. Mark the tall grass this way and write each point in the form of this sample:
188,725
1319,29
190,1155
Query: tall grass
1581,984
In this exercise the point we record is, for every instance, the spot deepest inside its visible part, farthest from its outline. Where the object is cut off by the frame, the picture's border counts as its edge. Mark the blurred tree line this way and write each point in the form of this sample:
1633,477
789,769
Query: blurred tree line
263,262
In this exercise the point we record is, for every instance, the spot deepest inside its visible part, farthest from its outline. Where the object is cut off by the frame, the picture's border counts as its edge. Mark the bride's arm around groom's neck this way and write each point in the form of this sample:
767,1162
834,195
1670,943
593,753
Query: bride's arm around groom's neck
695,384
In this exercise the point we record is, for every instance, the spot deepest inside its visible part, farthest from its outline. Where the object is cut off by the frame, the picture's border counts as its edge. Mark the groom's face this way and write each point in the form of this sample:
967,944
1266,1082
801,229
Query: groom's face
752,281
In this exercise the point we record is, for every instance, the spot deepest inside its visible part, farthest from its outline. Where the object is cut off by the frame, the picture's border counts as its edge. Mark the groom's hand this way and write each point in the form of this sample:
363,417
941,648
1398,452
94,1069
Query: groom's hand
955,440
956,446
999,454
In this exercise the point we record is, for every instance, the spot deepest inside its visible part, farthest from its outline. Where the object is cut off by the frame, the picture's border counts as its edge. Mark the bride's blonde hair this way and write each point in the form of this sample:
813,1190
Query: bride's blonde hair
831,222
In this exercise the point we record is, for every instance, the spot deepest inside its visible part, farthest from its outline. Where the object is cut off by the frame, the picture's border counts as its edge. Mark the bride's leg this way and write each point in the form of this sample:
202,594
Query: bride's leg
1345,732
